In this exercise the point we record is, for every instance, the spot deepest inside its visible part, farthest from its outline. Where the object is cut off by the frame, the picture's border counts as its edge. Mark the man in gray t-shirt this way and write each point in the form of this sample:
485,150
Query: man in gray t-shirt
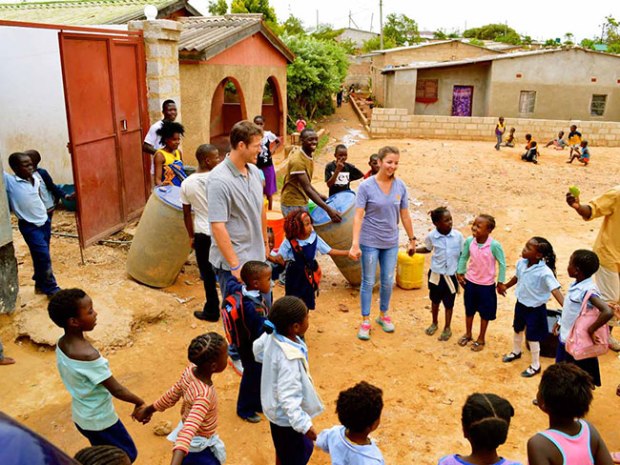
236,210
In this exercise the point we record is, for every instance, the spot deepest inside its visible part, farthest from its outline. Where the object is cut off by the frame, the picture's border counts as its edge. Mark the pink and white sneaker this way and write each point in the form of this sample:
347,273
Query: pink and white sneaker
386,323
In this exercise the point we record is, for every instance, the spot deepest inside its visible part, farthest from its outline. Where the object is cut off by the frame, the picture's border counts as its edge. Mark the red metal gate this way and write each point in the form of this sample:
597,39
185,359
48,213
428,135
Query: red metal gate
105,96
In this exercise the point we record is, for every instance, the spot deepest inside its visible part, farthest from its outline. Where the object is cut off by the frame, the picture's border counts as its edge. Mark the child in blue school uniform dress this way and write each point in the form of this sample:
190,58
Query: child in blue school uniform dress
536,283
581,266
300,249
442,284
359,410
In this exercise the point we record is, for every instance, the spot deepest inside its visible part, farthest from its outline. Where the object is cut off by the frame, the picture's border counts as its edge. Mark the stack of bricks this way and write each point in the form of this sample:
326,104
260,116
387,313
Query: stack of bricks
397,123
161,41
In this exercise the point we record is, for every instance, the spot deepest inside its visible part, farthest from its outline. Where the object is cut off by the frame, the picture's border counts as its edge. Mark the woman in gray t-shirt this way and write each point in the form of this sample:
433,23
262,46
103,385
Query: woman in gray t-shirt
381,201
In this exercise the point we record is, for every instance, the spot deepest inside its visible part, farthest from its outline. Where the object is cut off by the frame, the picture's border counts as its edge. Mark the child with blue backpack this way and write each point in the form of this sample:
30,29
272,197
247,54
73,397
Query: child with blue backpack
244,312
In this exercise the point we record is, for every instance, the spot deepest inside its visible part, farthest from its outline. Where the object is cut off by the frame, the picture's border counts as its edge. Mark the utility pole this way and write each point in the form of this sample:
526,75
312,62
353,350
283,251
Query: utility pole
372,16
349,19
380,24
317,20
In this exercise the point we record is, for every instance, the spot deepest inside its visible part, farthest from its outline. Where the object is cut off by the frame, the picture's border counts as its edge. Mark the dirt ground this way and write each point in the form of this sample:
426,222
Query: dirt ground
425,382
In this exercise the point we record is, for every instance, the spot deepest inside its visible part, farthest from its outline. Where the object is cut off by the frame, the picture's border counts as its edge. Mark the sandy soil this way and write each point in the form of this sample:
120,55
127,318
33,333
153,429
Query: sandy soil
425,381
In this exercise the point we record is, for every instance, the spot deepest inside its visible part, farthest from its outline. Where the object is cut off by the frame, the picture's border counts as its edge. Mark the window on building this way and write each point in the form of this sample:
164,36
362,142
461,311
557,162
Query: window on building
597,107
427,90
527,101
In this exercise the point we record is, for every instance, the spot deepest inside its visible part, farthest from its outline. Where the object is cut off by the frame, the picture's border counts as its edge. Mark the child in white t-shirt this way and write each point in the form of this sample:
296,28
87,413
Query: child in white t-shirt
194,198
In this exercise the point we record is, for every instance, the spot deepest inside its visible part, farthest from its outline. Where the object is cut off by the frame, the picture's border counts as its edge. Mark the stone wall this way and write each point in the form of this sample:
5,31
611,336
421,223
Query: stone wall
161,41
397,123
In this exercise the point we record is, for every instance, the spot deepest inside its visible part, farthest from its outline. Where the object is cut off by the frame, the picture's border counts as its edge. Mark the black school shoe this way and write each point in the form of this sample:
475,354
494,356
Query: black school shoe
531,371
213,318
511,357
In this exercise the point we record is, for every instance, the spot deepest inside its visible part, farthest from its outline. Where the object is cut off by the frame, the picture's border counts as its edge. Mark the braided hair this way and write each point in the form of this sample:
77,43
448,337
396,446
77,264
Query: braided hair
102,455
294,224
545,248
285,312
205,348
485,419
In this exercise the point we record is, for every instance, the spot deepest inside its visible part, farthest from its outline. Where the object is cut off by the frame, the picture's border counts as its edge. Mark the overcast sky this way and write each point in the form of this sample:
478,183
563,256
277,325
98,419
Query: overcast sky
540,19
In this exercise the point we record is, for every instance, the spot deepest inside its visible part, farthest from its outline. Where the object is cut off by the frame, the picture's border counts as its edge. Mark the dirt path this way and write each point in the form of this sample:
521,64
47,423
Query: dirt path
425,382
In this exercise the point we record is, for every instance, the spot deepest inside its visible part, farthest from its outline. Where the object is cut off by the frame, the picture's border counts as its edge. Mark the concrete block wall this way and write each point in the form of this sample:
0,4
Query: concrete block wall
397,123
161,40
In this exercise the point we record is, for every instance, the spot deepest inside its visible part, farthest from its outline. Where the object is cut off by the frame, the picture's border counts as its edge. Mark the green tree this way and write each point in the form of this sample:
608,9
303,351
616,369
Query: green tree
440,34
401,29
568,38
319,69
374,43
326,32
293,26
491,32
588,43
255,6
218,7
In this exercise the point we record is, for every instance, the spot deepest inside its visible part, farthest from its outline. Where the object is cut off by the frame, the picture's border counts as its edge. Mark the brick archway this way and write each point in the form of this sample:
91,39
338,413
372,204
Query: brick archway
227,108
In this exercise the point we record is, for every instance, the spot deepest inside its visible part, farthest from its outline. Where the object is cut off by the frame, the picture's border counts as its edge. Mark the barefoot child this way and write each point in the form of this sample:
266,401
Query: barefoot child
168,161
194,199
558,143
582,266
583,155
442,284
359,411
485,420
87,376
510,140
195,438
476,273
300,248
500,129
287,393
536,282
565,395
244,313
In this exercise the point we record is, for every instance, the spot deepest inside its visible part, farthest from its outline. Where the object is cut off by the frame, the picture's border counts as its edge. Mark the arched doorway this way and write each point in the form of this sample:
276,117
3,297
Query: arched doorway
271,108
227,108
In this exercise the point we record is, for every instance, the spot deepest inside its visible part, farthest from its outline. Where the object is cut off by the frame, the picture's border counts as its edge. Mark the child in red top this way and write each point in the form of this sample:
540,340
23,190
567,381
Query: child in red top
195,439
373,162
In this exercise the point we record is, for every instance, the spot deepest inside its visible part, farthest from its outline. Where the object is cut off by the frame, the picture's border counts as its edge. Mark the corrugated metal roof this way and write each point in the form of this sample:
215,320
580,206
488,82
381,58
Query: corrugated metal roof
416,46
480,59
80,12
209,35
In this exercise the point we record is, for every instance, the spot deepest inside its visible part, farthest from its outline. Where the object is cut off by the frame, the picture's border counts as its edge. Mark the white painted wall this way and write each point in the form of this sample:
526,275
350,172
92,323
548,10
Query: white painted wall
32,99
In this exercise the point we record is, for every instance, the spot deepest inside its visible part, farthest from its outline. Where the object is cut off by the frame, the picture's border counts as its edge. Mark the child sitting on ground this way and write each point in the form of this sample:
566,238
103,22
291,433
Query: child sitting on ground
195,438
194,199
87,376
536,282
558,143
565,395
359,411
287,393
485,420
582,155
300,249
531,154
373,162
50,192
477,276
442,284
510,140
339,174
244,313
582,266
168,161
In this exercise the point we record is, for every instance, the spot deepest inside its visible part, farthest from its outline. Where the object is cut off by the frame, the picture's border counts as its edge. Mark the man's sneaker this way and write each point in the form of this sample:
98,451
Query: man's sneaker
364,332
386,324
236,366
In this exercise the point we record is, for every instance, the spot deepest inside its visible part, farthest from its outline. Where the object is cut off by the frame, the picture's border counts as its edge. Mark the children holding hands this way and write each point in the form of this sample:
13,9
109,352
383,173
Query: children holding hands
446,244
476,273
536,282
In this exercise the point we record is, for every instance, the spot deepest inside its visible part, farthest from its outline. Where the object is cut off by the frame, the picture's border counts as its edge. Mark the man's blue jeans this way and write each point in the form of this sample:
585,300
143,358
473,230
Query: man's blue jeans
386,259
38,240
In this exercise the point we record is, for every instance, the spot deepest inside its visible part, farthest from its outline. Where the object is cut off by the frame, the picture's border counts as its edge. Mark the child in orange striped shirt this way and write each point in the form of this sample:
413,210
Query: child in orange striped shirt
195,439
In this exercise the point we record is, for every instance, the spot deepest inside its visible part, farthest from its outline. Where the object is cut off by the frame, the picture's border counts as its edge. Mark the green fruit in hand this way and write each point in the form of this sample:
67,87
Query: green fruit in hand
574,190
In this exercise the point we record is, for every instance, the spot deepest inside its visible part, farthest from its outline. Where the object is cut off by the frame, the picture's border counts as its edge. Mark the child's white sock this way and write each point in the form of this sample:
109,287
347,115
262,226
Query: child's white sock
516,343
535,351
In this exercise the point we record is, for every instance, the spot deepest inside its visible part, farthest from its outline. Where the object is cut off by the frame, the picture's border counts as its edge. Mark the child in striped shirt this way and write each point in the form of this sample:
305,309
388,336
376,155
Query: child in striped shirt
195,439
